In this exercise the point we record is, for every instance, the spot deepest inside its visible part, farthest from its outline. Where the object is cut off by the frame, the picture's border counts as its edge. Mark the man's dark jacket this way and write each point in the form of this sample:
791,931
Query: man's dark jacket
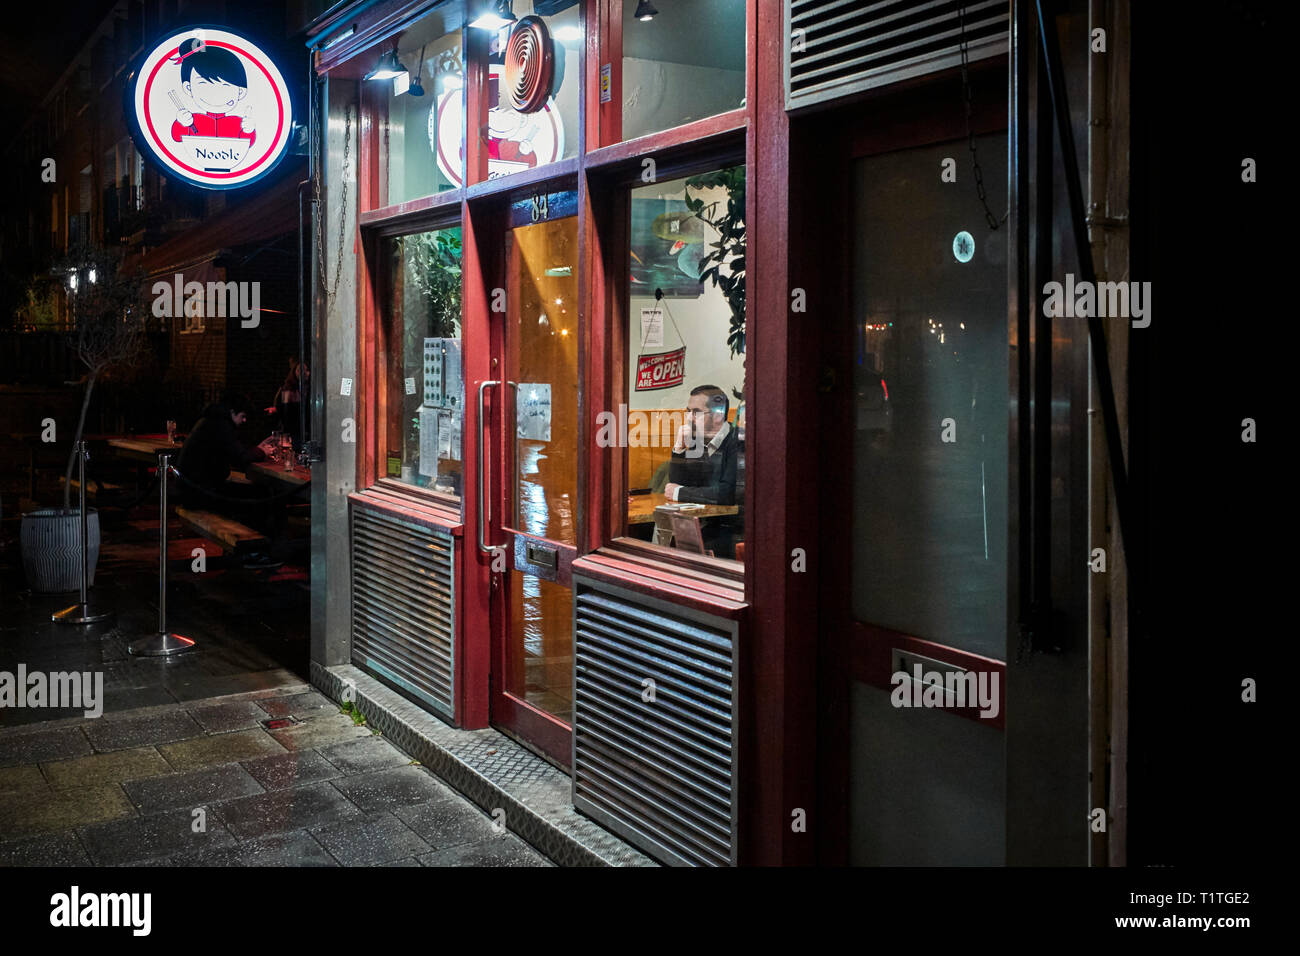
708,479
213,448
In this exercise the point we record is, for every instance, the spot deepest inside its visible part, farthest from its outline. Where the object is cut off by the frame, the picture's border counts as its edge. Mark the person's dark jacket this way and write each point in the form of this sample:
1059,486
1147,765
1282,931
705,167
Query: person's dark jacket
708,479
213,448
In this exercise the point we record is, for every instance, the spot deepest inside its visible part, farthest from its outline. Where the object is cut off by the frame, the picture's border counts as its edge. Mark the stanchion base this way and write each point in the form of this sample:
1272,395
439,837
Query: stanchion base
81,614
160,645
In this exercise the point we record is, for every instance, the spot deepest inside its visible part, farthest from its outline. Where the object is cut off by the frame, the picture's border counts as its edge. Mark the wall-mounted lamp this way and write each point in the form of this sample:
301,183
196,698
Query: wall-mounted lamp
494,15
645,11
388,67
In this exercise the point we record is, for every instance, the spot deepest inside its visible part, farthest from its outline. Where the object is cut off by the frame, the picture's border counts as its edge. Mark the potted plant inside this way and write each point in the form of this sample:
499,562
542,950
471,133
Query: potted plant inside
106,310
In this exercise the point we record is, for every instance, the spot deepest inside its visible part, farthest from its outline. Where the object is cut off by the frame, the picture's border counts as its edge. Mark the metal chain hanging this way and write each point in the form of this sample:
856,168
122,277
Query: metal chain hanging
332,293
991,219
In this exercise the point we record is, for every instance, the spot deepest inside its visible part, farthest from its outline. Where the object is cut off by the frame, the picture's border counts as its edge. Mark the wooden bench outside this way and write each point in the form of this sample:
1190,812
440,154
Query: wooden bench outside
231,535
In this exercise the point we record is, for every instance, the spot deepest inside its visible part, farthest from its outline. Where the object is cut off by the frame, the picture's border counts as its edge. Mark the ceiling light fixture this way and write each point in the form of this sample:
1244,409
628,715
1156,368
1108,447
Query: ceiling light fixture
645,11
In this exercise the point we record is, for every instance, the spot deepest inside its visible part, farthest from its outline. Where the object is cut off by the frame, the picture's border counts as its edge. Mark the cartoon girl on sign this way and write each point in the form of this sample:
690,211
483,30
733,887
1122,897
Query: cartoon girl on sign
215,80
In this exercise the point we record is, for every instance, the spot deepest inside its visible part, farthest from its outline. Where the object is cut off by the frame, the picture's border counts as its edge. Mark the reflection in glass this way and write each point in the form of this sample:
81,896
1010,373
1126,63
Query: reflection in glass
542,364
685,63
519,141
424,401
542,346
931,395
423,133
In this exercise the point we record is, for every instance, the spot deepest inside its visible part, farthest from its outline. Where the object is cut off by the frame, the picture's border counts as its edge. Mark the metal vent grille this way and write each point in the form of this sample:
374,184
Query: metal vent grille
403,610
837,47
660,773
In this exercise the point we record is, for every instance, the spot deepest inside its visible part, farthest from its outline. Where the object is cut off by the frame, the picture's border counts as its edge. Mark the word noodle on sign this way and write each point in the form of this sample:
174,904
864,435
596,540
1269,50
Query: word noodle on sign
661,370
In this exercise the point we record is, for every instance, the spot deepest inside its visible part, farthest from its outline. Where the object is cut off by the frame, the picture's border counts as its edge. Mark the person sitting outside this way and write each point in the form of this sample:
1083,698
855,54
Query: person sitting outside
210,452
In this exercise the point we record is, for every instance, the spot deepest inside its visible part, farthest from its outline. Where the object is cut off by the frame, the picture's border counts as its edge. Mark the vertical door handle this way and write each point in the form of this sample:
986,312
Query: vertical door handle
482,473
514,459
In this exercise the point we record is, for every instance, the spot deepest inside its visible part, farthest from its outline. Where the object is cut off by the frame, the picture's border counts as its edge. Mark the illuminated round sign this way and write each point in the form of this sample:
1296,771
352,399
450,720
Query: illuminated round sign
516,141
963,246
210,108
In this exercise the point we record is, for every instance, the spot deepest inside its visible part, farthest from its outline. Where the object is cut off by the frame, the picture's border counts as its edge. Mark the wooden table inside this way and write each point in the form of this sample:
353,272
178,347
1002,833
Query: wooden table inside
641,509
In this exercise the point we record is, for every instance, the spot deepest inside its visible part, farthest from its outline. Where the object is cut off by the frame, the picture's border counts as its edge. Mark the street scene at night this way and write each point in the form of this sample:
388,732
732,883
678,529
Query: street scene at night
505,435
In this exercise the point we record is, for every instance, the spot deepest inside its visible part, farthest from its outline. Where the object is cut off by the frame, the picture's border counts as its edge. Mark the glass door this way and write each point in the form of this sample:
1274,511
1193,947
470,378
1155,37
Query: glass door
535,444
919,532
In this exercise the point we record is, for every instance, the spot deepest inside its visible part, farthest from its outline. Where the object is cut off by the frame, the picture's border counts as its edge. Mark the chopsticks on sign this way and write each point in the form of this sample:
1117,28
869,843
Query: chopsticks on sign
175,99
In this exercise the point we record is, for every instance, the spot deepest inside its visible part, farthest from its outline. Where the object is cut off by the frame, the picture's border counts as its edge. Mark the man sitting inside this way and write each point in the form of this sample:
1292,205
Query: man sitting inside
702,468
211,450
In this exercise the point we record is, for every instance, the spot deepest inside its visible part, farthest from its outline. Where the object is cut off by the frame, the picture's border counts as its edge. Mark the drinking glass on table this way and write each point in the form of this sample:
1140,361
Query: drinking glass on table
171,432
286,450
273,447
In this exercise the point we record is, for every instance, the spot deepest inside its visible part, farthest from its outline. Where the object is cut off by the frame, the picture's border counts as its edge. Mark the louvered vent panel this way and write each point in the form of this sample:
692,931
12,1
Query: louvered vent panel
403,609
661,773
838,47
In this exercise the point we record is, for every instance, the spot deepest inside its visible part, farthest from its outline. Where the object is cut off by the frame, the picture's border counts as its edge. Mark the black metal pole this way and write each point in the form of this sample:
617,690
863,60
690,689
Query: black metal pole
163,643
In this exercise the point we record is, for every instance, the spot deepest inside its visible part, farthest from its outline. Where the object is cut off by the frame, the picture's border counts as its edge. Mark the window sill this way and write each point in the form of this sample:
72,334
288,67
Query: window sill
424,508
712,585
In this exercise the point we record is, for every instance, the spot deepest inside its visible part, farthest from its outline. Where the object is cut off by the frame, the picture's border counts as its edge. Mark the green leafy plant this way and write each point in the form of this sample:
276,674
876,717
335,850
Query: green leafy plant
729,251
433,268
352,711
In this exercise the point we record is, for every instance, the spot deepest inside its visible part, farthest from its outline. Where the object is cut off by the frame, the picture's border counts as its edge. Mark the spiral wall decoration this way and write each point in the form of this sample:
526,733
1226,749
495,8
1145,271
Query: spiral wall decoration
530,64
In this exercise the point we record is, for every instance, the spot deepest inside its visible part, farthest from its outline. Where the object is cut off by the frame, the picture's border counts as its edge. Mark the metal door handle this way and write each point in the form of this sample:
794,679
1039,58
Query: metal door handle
514,459
482,474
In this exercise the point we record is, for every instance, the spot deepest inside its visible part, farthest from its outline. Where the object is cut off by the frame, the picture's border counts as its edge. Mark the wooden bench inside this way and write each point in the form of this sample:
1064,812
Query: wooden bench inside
230,534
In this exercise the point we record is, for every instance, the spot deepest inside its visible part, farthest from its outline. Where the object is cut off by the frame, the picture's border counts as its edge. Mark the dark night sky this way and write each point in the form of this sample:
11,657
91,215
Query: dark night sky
36,43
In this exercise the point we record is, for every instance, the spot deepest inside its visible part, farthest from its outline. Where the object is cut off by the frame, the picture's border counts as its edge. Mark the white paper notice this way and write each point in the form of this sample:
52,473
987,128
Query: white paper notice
444,436
346,387
533,411
429,442
410,386
652,328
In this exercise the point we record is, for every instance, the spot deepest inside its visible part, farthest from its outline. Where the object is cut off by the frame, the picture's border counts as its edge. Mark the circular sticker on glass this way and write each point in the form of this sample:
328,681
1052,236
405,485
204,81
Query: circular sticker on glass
516,141
963,246
211,108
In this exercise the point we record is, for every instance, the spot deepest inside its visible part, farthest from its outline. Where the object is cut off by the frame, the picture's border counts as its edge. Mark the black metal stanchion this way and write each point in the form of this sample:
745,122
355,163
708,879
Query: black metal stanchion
164,643
83,612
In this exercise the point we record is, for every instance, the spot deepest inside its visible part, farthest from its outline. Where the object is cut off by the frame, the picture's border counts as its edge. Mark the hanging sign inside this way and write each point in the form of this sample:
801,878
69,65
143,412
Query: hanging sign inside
661,370
210,108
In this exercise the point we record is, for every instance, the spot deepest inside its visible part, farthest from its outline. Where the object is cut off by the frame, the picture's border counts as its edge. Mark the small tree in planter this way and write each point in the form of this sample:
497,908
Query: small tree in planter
107,310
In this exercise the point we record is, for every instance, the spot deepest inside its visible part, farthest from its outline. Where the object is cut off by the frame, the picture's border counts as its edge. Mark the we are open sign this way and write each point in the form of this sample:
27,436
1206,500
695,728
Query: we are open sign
661,370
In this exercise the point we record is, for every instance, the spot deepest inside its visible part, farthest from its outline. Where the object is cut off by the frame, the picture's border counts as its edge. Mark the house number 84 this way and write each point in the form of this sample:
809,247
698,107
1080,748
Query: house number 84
540,211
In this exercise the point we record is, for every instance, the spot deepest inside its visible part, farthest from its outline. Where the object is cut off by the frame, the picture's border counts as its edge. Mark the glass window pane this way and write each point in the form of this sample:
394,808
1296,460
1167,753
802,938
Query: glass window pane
547,132
424,399
684,63
422,141
931,395
542,362
684,422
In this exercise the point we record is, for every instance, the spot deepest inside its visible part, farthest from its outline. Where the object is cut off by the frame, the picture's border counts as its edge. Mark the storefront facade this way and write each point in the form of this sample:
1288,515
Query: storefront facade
709,229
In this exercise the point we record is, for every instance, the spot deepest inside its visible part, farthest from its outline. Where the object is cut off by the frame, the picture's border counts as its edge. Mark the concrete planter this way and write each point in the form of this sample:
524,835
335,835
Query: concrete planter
51,547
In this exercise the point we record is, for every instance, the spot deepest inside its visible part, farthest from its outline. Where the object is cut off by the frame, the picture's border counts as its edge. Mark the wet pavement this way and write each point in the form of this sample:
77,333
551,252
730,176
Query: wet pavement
274,777
223,756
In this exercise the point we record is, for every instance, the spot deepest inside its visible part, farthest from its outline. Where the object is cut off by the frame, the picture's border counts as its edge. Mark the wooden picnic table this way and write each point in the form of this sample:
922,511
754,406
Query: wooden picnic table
641,508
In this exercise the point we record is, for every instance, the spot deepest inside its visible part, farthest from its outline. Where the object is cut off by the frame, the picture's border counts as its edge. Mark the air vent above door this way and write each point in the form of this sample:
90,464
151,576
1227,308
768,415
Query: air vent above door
654,726
403,605
837,47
